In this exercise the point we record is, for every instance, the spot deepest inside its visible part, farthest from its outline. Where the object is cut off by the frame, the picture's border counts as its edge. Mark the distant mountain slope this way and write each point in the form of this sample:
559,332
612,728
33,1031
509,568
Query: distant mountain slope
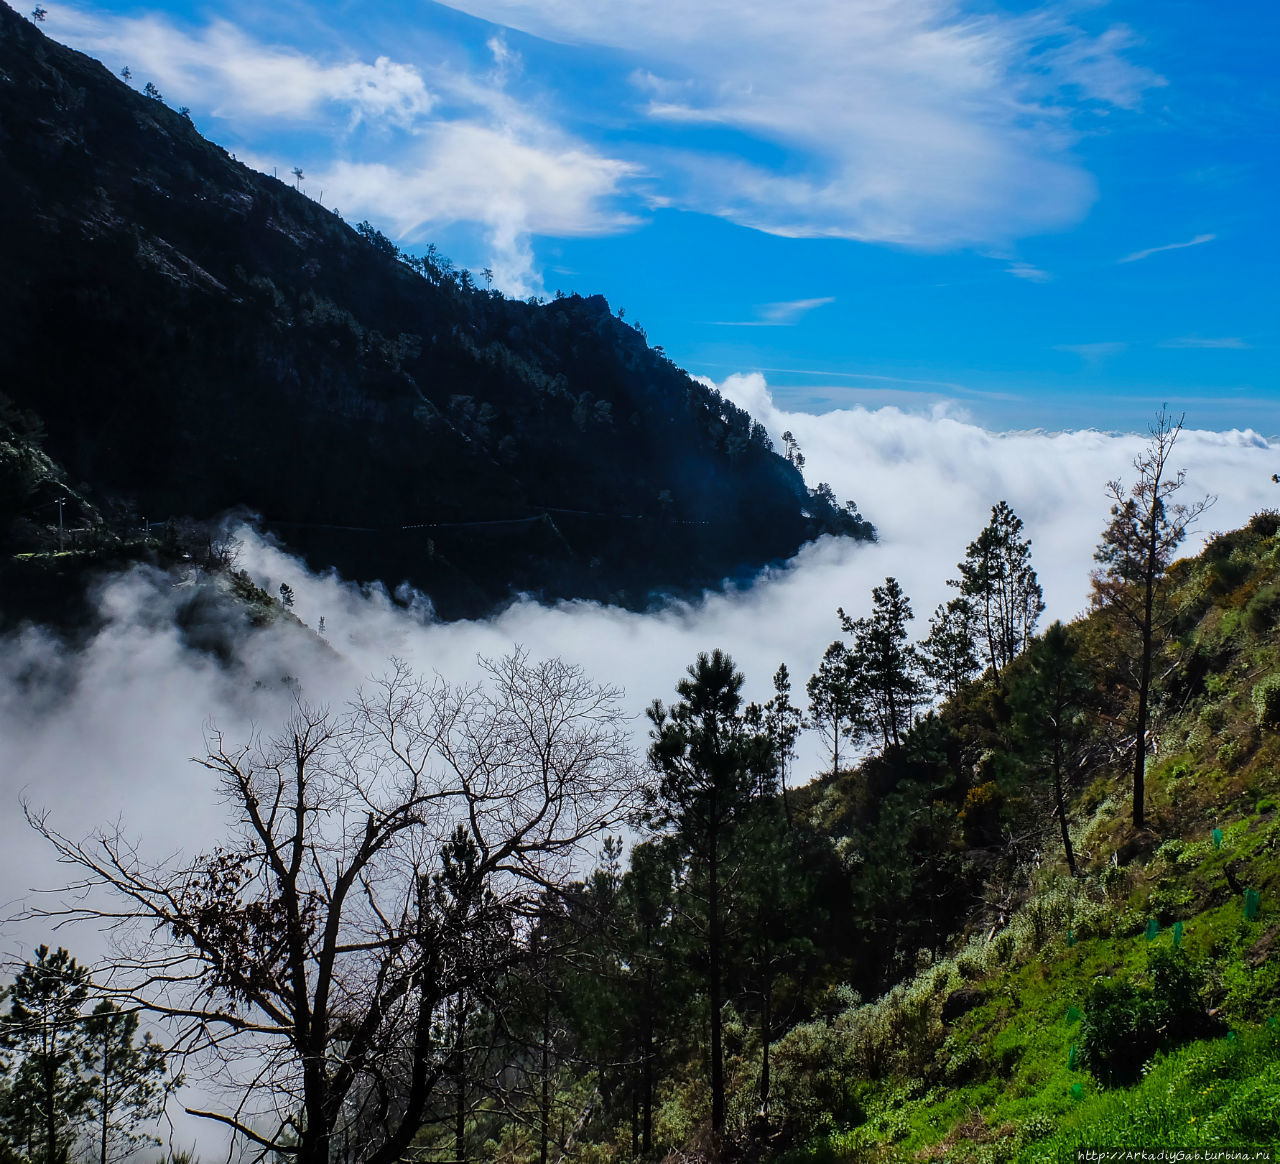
197,336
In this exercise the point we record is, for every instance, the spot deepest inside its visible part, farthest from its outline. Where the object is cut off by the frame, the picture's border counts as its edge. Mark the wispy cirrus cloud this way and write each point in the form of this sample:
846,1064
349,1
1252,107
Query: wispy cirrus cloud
924,123
1028,272
784,314
921,123
1092,353
1226,342
1138,256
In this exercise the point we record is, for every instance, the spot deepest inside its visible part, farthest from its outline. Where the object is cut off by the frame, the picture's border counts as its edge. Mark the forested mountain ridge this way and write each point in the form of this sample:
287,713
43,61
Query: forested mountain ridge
197,336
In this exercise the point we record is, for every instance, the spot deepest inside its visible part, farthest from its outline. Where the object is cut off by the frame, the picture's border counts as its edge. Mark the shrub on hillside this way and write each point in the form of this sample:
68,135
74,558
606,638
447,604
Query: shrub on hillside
1266,701
1125,1023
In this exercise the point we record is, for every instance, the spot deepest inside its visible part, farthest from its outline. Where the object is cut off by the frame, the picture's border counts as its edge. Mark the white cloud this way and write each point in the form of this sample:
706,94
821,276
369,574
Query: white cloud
127,711
784,314
787,313
464,171
438,145
237,77
904,121
1138,256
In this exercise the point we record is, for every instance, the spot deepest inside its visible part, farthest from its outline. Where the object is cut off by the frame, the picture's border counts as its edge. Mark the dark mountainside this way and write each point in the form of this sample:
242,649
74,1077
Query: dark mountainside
195,336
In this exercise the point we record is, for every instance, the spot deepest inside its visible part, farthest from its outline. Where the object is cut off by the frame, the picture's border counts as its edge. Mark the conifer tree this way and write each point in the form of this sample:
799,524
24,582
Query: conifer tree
997,576
1049,702
781,722
45,1057
710,765
651,949
127,1087
950,653
886,666
834,706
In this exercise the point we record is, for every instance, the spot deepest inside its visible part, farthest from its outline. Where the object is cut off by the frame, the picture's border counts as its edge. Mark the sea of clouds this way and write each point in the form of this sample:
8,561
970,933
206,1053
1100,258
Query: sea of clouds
106,733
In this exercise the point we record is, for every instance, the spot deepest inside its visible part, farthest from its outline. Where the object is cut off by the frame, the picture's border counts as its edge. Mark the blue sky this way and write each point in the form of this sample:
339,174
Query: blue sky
1048,215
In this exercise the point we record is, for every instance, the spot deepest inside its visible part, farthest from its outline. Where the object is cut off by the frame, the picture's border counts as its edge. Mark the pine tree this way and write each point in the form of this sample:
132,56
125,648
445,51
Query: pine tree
950,653
127,1087
710,766
45,1057
886,666
996,575
833,701
658,980
781,722
1049,703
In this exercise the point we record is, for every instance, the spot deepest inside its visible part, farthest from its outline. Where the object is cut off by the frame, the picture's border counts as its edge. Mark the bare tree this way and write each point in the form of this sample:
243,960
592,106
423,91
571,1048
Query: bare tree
1137,548
381,863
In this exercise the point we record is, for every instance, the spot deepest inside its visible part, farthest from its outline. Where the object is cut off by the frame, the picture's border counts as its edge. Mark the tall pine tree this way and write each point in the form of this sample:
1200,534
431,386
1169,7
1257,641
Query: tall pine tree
710,766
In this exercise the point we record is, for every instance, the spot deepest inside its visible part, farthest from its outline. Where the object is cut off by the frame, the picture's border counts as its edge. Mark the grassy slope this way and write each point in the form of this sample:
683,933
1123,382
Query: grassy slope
998,1083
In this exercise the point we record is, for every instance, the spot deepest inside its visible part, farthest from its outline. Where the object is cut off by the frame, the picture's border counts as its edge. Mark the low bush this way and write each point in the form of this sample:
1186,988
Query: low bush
1266,701
1125,1023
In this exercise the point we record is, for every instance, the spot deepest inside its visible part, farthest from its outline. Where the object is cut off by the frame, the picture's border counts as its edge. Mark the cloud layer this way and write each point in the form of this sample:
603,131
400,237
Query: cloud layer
106,732
77,729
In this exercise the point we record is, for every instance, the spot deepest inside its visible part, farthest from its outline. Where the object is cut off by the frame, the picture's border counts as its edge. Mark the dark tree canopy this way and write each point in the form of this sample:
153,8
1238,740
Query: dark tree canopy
997,577
711,766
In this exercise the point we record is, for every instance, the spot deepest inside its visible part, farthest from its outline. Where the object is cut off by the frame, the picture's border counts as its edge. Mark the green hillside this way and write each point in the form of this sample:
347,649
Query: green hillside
941,987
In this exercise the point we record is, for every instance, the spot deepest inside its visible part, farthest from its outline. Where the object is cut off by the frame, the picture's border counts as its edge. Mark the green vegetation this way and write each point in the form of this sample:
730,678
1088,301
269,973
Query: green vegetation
68,1073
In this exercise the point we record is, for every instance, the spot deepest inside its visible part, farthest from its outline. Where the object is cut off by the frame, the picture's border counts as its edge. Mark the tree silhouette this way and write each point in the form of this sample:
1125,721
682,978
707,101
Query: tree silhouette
996,575
1049,702
885,665
127,1086
45,1057
710,765
380,865
834,705
1137,547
